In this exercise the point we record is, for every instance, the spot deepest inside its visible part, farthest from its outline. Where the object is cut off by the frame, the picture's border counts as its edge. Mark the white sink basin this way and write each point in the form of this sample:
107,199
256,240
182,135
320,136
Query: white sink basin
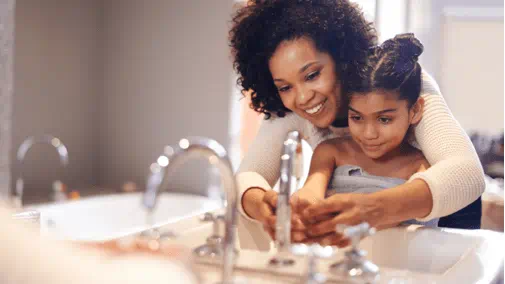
449,255
410,254
112,216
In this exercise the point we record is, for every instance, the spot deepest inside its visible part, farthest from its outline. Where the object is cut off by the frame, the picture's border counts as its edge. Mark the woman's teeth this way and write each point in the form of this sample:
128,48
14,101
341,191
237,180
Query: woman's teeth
314,109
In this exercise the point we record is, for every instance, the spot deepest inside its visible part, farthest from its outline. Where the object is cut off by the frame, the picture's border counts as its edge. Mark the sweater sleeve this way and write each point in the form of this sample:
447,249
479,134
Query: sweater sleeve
260,168
261,165
456,177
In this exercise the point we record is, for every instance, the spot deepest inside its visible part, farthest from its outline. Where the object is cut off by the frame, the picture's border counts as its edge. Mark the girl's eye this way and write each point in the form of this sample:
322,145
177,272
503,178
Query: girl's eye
312,76
384,120
355,117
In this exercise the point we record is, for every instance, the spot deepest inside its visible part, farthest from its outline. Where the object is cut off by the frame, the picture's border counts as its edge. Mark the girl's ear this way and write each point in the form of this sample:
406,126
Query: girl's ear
416,111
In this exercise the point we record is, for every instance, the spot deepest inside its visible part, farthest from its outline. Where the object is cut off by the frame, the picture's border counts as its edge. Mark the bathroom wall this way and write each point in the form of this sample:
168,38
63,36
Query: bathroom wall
117,81
463,42
58,81
6,83
167,75
472,72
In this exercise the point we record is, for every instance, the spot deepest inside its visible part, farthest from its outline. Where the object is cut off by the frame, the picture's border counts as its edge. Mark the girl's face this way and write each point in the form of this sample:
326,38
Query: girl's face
306,81
379,121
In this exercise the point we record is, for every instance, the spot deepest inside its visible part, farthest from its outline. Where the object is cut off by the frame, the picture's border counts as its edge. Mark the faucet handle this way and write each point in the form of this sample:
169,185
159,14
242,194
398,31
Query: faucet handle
355,266
214,244
363,230
216,219
355,233
207,217
314,253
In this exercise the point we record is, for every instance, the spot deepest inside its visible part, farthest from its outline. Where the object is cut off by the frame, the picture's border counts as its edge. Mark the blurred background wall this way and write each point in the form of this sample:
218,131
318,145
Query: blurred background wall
6,87
117,80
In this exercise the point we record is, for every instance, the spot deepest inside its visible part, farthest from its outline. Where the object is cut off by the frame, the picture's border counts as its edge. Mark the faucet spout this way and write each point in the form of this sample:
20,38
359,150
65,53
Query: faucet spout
44,139
216,155
291,171
25,146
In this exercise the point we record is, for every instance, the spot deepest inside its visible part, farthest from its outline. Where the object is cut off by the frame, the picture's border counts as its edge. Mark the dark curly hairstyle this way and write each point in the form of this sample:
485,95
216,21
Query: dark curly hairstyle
393,66
337,27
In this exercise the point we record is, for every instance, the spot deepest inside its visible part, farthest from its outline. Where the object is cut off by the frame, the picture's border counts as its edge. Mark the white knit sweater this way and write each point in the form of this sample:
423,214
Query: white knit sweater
455,178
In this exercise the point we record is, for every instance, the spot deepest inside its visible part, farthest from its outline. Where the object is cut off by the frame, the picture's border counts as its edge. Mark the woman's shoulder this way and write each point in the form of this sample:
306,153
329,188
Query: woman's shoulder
289,119
429,85
280,126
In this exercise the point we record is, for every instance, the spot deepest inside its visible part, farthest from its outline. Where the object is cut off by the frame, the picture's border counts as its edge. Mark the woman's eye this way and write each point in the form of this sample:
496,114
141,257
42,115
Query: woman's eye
384,120
312,76
355,117
283,89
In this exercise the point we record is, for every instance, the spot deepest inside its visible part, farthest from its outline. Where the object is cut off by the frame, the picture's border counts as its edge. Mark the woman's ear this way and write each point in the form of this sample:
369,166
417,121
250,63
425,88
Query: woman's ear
416,111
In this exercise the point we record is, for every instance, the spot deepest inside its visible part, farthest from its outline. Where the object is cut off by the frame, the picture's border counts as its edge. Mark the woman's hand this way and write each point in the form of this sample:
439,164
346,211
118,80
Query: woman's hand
299,201
348,208
260,205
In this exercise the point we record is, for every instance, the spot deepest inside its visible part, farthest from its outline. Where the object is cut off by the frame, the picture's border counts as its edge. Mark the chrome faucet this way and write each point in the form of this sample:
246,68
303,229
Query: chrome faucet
313,253
291,172
355,267
217,156
27,144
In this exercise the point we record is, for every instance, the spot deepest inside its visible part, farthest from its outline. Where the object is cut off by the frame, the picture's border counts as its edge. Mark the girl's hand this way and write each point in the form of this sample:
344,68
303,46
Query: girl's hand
348,208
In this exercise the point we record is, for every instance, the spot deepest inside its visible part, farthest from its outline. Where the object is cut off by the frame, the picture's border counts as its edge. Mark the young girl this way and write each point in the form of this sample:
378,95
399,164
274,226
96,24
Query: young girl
377,154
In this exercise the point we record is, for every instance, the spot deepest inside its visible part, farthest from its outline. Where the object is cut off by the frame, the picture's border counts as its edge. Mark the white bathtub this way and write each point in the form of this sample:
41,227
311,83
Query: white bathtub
111,216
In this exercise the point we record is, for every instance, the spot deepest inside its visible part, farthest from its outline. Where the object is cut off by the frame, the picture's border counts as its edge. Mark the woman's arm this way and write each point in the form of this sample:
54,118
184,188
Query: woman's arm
259,171
380,209
260,168
456,177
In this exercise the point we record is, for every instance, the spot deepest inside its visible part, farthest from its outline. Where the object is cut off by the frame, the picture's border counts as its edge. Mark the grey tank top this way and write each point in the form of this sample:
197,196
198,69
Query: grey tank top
349,178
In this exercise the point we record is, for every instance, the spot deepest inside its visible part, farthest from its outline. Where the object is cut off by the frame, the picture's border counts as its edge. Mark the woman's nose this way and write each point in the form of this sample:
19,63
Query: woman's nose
304,96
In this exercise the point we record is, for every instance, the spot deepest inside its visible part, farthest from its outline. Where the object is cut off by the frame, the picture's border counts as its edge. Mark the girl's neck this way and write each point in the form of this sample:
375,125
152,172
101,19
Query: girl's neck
402,150
396,163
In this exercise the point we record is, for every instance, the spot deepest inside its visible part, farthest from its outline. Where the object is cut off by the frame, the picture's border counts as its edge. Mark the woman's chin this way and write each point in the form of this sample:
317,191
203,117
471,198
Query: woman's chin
324,120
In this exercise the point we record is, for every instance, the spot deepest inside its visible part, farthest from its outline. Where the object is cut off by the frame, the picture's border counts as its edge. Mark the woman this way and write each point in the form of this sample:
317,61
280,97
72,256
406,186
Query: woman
300,58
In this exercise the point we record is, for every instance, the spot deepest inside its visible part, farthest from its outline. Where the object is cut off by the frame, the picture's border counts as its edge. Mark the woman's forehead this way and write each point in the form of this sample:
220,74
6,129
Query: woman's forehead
295,54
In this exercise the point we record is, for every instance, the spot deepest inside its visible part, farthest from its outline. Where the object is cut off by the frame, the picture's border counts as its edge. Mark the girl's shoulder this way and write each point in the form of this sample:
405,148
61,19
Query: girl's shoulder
416,161
343,143
343,148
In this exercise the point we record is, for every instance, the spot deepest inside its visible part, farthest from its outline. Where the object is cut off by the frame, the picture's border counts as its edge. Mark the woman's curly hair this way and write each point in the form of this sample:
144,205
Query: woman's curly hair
337,27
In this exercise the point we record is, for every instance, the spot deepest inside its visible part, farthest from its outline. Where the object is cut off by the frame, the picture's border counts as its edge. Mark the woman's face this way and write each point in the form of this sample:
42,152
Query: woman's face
379,121
306,81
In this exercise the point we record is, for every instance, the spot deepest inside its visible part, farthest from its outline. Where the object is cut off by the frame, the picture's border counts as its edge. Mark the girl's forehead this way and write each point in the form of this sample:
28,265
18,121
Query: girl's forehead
376,96
371,102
